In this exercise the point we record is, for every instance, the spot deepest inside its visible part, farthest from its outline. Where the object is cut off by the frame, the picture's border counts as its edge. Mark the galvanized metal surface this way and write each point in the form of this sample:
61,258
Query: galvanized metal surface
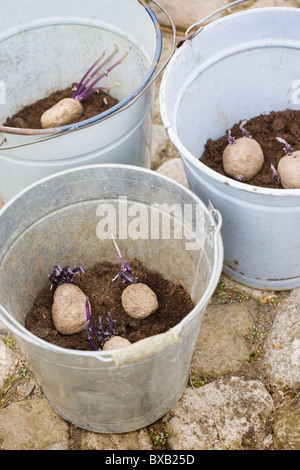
56,220
236,68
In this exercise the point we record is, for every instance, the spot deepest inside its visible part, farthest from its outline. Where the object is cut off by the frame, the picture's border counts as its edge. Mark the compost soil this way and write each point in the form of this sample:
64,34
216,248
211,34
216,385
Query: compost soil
30,116
264,129
105,295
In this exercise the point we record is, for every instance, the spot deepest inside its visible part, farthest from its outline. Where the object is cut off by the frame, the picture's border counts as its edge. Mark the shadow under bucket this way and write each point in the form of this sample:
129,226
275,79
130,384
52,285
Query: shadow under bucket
55,221
241,66
48,46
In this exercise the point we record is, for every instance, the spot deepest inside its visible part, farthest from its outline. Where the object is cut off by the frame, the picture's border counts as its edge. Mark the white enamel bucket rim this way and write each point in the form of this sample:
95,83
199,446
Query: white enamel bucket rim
106,356
128,101
176,140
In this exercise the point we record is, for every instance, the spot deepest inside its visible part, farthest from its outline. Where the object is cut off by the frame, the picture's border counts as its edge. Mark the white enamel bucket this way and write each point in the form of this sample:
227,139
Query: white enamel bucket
47,46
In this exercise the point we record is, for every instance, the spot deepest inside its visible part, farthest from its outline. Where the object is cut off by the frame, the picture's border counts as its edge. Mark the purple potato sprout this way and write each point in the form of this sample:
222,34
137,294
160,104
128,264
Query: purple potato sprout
287,148
59,276
126,273
276,176
86,86
101,335
90,328
110,332
70,110
230,138
243,130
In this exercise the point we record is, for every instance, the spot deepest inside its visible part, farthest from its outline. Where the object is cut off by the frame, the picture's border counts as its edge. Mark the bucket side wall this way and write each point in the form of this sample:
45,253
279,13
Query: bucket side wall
116,400
261,242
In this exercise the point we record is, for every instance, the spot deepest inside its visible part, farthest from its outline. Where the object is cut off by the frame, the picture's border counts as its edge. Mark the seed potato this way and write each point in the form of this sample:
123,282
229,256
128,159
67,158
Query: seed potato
66,111
69,309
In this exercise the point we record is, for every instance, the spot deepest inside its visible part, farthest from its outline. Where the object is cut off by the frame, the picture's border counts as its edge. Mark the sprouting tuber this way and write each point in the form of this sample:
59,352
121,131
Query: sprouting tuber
242,158
59,276
288,168
69,110
68,309
71,309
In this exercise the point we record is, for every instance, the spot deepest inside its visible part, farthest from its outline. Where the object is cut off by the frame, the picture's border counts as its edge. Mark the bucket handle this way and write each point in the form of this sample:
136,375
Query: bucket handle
57,132
191,35
163,66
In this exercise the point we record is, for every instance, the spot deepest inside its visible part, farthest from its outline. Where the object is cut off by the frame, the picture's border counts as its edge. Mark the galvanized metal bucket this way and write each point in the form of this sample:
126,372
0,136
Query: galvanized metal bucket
57,221
238,67
47,46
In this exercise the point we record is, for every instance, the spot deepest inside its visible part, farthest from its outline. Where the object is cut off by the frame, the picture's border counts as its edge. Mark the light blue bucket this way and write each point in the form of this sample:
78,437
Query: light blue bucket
238,67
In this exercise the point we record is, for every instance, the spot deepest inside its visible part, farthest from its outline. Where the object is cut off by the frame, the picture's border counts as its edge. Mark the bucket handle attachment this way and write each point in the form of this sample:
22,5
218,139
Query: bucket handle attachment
58,132
216,219
190,35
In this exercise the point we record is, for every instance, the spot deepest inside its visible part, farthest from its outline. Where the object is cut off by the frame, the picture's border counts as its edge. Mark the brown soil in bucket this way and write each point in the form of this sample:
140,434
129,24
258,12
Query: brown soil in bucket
105,295
30,116
264,129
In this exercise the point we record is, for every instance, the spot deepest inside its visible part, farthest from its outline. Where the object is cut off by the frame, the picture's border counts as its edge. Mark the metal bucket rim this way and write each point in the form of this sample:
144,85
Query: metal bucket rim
173,135
106,356
111,111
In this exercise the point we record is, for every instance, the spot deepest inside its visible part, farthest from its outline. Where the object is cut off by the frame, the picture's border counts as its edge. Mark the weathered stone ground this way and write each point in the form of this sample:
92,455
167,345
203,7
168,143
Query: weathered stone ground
244,383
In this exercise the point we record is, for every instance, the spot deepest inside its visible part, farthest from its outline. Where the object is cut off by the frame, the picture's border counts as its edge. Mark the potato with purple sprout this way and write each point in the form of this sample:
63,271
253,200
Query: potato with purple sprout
138,299
243,158
71,309
106,339
68,309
